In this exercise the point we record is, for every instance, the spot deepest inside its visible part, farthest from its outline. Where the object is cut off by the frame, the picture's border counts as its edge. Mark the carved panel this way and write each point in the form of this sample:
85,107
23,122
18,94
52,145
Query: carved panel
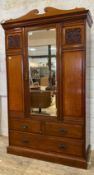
14,42
73,36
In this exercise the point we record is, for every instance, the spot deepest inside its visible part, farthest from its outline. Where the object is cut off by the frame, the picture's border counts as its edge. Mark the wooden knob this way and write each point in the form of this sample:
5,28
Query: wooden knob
62,146
24,126
25,141
62,130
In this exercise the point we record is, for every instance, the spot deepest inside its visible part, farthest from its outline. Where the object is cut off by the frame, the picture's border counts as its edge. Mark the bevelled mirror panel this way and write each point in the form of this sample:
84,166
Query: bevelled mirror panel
42,72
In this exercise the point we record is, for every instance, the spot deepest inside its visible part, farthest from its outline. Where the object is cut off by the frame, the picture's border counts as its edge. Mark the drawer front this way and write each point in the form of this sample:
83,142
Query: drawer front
48,144
33,126
64,130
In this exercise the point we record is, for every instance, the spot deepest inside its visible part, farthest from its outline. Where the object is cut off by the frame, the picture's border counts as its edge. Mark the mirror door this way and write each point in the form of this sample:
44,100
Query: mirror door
42,72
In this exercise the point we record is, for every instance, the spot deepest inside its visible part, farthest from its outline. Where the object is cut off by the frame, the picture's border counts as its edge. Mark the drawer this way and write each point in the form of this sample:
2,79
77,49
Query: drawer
33,126
48,144
65,130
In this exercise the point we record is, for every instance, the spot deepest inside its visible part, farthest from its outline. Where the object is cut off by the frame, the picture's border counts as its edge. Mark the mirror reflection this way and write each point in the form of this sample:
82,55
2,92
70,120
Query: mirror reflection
42,72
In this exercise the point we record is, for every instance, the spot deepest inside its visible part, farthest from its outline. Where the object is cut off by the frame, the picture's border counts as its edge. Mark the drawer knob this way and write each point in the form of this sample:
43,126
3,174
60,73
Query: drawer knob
62,130
25,141
62,146
24,126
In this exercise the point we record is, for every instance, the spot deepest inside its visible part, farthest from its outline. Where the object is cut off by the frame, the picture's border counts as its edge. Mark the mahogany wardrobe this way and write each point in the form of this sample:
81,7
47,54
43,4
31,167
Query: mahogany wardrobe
47,57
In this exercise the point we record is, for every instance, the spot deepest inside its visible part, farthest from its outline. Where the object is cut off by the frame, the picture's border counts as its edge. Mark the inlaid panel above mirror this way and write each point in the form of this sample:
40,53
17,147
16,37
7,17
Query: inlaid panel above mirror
42,71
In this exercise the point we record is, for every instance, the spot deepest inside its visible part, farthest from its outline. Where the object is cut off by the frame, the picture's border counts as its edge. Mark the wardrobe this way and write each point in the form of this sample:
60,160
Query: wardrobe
47,57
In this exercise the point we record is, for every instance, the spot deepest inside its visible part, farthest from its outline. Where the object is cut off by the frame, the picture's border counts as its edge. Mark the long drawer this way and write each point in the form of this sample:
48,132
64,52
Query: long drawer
26,125
64,130
48,144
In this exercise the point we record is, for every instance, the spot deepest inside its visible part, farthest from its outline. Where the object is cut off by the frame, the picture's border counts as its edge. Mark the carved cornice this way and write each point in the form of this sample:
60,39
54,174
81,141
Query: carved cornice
48,12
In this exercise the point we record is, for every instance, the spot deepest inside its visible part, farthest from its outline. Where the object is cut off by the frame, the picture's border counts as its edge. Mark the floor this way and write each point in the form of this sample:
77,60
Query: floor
17,165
